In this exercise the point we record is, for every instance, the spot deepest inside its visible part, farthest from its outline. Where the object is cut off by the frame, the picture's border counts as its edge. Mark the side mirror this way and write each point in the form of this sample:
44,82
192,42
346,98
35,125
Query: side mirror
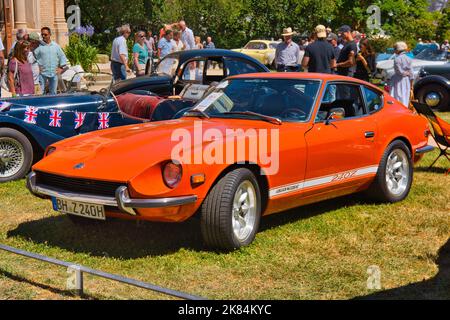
335,114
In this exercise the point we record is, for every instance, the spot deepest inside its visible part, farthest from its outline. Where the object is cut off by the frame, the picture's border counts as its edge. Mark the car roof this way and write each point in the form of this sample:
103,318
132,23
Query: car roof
302,75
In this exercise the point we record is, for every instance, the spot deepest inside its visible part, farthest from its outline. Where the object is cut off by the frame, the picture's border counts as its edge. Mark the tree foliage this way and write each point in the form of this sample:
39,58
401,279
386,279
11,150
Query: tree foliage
231,23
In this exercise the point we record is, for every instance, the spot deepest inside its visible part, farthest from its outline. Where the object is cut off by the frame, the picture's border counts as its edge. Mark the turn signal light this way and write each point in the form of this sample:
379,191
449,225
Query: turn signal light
198,179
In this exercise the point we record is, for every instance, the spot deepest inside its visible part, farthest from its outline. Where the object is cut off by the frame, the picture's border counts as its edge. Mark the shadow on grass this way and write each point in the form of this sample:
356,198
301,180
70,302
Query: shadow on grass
437,288
42,286
129,240
431,170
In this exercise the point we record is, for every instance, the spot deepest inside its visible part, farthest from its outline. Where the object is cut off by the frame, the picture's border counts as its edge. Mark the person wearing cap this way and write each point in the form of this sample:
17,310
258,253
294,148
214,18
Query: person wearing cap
287,54
346,62
402,80
35,41
333,40
319,56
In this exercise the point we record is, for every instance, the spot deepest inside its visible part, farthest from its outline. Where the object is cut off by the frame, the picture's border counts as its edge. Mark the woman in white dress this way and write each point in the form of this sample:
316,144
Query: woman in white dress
401,81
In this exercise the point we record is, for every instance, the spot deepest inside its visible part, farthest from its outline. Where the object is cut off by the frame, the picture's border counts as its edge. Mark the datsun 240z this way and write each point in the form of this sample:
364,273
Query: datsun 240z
317,136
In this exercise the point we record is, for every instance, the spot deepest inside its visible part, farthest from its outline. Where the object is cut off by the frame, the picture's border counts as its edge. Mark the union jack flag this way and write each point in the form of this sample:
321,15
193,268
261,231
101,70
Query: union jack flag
103,120
79,119
31,114
55,118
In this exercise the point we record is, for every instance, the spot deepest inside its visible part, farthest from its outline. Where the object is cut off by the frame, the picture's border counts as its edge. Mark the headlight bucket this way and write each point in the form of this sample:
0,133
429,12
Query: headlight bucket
172,173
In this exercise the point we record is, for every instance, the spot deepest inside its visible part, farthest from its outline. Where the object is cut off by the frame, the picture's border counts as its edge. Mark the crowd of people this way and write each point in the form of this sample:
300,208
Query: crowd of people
34,63
347,53
172,38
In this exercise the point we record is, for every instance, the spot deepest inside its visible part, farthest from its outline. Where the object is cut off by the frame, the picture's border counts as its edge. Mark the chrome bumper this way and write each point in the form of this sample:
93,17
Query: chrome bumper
121,200
424,149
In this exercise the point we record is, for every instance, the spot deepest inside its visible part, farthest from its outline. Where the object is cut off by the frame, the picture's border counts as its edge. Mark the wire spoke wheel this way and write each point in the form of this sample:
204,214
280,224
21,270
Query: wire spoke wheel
12,157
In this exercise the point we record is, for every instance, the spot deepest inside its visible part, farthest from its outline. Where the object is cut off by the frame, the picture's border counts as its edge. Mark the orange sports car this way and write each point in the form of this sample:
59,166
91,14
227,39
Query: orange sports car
257,145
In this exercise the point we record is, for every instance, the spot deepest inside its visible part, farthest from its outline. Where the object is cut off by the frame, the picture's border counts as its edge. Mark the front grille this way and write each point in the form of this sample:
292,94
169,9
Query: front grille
84,186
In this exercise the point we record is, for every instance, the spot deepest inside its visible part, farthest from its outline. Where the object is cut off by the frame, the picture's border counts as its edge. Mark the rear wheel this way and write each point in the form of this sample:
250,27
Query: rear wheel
16,155
395,174
435,96
231,213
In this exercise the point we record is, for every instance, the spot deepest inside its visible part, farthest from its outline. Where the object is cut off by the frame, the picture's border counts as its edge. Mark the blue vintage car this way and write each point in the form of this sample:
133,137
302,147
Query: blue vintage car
29,124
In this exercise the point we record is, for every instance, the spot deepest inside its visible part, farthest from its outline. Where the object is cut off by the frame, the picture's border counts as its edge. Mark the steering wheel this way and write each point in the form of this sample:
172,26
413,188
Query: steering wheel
293,113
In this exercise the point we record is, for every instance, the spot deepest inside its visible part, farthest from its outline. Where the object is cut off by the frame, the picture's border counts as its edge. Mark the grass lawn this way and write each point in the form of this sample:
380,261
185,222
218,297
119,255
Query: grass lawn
321,251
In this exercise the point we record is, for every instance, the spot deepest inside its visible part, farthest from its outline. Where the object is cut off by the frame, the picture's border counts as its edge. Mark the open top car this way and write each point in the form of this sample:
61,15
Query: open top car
257,145
29,124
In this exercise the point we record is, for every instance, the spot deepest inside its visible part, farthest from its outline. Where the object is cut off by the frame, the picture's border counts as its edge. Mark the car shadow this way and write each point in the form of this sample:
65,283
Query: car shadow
432,170
130,240
436,288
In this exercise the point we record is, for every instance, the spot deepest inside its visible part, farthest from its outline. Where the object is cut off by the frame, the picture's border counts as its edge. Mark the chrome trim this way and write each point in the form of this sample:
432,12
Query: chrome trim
425,149
122,199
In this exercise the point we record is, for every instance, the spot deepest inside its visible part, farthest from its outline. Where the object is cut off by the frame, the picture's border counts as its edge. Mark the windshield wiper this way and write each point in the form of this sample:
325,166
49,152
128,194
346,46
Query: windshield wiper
259,115
198,112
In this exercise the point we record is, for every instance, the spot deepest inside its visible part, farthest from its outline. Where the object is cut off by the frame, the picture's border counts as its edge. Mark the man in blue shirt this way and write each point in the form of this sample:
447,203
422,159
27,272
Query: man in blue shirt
209,43
287,54
51,60
165,45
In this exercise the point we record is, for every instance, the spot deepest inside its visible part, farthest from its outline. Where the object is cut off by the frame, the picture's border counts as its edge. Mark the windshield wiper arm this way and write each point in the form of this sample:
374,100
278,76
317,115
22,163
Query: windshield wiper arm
199,112
259,115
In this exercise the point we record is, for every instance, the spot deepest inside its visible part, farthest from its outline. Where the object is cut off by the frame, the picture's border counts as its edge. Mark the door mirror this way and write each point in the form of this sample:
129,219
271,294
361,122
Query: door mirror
336,114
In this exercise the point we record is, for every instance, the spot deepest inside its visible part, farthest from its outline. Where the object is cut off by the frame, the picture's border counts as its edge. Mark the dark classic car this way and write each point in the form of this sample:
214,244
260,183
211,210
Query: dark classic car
29,124
201,67
433,86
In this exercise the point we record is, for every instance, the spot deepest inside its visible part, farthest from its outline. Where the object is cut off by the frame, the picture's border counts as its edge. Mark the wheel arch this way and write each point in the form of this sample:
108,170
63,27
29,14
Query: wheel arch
403,139
38,151
430,80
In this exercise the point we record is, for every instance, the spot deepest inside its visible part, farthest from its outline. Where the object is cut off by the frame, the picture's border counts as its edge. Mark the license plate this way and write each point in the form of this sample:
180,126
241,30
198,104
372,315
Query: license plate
81,209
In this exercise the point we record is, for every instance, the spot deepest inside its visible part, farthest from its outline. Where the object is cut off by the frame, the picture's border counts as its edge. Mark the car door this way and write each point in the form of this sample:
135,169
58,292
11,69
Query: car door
341,151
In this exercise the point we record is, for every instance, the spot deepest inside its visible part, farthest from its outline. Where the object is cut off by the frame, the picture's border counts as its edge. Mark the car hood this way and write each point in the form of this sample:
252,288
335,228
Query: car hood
45,102
121,154
416,63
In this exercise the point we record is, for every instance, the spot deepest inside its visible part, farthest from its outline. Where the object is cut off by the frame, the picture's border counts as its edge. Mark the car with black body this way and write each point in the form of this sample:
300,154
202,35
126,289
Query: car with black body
432,86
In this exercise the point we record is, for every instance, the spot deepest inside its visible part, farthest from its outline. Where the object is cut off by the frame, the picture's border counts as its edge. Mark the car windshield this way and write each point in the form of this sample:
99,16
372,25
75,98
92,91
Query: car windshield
256,46
432,55
279,99
168,66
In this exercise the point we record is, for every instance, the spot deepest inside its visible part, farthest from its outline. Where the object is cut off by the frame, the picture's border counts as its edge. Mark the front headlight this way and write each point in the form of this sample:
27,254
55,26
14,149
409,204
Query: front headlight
172,173
49,151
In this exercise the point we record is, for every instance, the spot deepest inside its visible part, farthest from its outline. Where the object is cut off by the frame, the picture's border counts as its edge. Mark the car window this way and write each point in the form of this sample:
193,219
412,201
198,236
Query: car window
285,99
214,68
167,66
374,100
346,97
274,45
256,46
236,66
193,71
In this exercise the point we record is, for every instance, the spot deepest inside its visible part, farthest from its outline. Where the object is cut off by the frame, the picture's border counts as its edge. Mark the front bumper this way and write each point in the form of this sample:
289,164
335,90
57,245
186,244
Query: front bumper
122,199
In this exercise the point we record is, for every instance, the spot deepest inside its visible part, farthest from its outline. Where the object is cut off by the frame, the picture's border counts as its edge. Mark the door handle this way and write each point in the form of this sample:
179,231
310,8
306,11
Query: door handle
369,134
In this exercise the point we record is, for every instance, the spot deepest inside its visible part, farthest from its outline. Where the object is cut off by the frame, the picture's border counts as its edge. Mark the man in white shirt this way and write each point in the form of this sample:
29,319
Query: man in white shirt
187,36
119,54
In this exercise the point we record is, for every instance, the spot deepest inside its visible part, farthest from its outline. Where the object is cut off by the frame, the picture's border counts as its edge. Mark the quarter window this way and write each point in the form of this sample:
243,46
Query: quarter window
374,101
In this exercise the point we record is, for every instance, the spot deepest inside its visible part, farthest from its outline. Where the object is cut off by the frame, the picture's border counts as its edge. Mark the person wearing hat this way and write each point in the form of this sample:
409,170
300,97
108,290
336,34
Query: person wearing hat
346,62
287,54
402,80
35,41
319,56
334,41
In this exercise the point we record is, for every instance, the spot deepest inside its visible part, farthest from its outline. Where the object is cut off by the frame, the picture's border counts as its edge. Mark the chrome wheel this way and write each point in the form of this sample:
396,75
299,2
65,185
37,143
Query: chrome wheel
397,172
433,99
12,157
244,211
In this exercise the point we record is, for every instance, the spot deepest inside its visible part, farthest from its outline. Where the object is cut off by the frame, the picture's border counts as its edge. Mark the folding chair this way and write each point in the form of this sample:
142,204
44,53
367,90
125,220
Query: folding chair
441,130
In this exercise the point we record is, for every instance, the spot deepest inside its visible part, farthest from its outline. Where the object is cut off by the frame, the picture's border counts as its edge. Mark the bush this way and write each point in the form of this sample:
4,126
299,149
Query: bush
79,51
381,43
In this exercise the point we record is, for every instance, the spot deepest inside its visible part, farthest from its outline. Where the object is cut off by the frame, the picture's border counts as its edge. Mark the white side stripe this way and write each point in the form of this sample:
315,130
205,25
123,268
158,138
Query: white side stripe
338,177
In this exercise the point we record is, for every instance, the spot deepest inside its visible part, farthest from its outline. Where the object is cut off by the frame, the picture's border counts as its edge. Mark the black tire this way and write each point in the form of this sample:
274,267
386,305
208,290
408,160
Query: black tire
216,211
24,148
443,92
379,189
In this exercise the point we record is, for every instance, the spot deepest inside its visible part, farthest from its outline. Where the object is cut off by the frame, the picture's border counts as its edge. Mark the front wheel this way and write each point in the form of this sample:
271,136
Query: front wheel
16,155
231,213
395,174
435,96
